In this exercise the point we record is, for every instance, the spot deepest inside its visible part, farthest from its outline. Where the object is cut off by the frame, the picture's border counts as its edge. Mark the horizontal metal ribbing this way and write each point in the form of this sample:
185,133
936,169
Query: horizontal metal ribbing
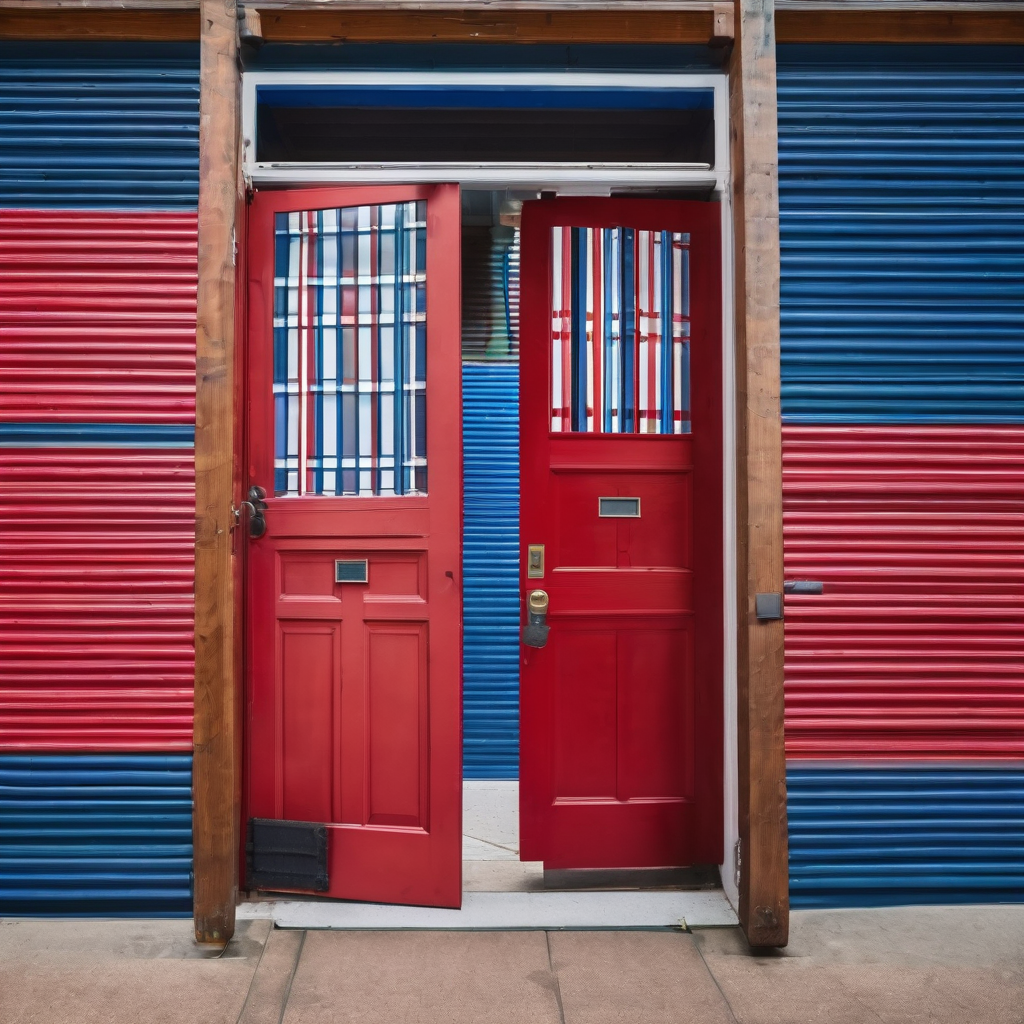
491,571
876,837
901,190
99,317
915,647
85,129
95,834
96,619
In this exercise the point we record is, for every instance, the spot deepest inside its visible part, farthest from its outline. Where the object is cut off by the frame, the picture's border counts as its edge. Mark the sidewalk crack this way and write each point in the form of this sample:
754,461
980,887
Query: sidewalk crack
554,977
488,842
711,975
291,978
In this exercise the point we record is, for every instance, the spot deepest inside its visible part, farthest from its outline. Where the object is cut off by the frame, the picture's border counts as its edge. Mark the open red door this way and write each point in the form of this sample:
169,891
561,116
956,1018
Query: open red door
353,647
621,527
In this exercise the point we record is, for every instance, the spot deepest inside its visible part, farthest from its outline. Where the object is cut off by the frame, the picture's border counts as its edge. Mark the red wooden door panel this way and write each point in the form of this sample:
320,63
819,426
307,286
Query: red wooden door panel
621,711
353,428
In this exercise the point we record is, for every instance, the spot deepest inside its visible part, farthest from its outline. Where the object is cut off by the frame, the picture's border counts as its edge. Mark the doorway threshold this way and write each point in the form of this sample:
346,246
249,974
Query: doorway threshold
507,911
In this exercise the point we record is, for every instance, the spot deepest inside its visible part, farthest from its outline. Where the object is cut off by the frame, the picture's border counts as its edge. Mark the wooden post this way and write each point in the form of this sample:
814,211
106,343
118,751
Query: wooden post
216,780
764,847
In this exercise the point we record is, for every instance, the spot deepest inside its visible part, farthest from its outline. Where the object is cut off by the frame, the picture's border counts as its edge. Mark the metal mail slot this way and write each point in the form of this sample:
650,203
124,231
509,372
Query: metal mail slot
351,570
618,508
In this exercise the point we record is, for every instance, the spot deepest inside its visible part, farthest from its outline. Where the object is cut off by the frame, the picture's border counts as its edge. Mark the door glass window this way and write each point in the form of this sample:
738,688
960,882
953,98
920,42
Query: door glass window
350,325
620,331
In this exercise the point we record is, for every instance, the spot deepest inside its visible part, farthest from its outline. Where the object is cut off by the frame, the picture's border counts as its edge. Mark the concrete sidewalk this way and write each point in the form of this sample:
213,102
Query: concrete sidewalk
934,964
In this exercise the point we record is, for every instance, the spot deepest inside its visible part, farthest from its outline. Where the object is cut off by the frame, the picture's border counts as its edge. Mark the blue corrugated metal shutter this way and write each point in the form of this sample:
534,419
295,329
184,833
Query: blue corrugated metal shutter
99,125
96,834
901,187
863,837
490,425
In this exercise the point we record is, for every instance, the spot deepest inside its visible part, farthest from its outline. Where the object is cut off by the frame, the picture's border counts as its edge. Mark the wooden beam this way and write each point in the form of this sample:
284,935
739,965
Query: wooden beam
100,5
789,7
723,29
479,6
178,20
485,6
915,26
100,25
764,871
599,26
216,786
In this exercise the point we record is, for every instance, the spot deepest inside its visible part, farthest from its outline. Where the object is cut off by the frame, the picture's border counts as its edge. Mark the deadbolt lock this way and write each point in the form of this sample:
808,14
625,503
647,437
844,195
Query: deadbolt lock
536,632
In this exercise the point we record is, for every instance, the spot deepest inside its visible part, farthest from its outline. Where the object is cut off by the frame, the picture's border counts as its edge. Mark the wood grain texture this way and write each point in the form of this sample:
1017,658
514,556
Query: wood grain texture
812,7
764,875
216,781
100,25
377,5
961,26
600,26
480,6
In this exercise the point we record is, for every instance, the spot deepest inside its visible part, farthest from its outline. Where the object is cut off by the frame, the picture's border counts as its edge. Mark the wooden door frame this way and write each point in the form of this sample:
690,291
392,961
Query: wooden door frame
750,27
764,879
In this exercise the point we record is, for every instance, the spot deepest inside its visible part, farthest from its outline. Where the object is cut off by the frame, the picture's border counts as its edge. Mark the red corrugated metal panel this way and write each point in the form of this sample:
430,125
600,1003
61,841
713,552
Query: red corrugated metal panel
916,647
96,607
98,316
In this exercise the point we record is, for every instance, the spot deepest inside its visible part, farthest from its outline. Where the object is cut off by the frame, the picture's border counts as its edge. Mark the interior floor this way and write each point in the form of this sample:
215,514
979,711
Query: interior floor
490,840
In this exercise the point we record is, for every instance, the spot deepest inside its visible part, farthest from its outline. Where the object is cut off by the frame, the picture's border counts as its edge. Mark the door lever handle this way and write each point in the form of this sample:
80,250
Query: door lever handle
255,506
536,632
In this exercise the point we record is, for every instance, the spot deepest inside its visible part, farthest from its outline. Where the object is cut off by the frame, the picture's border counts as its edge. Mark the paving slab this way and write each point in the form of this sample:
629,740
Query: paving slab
905,965
426,978
122,972
634,978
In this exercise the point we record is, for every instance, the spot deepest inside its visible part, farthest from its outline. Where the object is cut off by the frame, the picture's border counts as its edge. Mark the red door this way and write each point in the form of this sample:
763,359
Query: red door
354,591
621,720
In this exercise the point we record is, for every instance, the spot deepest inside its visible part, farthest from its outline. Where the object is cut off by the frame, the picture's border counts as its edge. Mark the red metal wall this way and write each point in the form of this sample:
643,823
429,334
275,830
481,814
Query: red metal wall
96,612
98,315
97,518
916,648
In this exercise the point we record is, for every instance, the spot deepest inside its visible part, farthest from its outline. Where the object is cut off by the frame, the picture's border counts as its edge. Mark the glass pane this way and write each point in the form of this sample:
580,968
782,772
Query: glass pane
350,383
620,330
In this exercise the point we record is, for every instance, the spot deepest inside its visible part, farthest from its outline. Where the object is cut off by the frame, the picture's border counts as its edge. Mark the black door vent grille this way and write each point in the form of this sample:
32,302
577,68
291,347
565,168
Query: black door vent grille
286,855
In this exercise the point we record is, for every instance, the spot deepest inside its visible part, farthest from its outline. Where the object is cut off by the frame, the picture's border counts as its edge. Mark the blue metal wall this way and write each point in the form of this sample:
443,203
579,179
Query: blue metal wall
96,834
902,228
875,837
490,570
901,187
96,828
113,125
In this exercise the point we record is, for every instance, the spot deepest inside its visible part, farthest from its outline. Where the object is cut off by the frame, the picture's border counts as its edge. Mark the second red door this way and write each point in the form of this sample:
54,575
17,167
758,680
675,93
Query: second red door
621,755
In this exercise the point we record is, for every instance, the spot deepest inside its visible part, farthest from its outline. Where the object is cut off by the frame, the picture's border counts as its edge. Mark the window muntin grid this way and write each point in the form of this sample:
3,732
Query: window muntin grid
617,368
350,351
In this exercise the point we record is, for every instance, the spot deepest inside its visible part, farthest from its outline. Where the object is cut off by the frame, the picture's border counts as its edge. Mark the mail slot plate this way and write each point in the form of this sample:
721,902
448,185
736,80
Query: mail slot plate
351,570
618,508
